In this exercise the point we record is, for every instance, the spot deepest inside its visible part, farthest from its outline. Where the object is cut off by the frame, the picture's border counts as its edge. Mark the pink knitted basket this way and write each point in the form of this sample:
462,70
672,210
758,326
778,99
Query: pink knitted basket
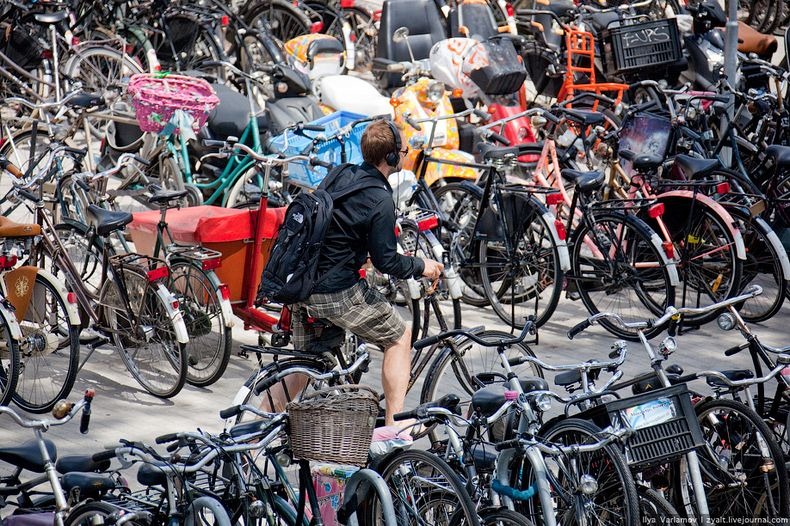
156,97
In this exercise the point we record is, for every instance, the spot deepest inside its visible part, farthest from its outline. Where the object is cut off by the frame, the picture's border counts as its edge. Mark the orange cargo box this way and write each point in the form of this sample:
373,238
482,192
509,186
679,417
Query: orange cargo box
225,230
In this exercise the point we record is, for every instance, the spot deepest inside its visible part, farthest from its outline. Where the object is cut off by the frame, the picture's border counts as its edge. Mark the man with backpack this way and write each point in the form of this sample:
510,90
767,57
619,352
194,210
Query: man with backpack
362,223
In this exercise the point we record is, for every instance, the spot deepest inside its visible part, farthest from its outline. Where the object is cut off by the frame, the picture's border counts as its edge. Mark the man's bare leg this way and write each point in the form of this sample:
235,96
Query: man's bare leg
395,375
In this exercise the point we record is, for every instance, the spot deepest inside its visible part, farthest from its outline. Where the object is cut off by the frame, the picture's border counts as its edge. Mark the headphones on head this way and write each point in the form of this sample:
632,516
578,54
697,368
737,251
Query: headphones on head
393,157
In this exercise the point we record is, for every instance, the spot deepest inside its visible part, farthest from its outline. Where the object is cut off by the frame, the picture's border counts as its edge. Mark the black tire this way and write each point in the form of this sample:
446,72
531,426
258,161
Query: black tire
88,513
528,281
733,455
210,340
9,363
631,241
445,496
654,508
284,20
46,374
187,43
615,494
464,372
503,517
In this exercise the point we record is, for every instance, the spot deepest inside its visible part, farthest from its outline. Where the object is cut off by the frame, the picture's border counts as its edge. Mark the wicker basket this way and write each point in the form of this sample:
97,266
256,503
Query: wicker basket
156,97
334,424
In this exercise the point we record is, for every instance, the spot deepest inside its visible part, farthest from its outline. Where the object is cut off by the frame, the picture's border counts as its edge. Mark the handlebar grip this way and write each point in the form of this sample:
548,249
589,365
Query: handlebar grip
142,160
426,342
11,168
82,152
406,415
28,195
578,328
173,447
484,116
318,162
230,412
104,455
169,437
499,138
312,127
82,184
507,444
413,124
733,350
85,419
212,143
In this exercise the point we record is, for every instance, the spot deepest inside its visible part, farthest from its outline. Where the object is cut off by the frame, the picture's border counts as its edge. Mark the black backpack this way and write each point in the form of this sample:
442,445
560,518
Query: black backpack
292,270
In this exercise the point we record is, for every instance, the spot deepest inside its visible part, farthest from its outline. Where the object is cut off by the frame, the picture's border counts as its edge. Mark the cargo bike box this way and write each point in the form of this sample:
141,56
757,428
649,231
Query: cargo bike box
225,230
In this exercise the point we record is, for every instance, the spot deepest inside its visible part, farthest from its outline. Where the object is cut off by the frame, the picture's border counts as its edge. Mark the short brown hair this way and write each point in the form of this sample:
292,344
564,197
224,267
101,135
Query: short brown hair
377,142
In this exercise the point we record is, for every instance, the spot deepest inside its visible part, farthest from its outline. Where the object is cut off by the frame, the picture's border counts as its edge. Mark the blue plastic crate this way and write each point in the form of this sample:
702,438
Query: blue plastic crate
301,173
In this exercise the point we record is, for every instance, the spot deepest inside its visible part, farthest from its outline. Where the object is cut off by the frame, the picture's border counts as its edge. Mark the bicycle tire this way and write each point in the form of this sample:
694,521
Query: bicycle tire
615,484
210,339
284,20
538,266
454,495
85,513
9,362
654,508
762,267
47,374
724,501
171,368
656,279
503,517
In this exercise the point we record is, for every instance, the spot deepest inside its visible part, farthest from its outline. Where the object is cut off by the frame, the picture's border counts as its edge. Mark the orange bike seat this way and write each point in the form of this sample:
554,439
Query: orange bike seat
9,228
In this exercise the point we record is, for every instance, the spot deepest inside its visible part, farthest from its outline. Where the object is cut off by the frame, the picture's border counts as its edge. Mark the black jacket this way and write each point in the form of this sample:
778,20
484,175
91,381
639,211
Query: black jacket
363,222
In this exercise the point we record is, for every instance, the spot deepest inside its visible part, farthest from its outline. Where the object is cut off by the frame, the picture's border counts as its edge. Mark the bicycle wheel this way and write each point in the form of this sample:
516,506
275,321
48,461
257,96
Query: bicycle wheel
210,340
9,362
469,367
461,203
503,517
763,267
94,512
524,278
424,490
282,19
706,254
743,467
50,350
654,508
633,280
611,500
144,334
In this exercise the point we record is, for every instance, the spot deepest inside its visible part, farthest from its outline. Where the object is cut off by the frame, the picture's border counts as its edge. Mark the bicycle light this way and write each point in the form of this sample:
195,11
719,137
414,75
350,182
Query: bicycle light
542,402
726,321
668,346
588,485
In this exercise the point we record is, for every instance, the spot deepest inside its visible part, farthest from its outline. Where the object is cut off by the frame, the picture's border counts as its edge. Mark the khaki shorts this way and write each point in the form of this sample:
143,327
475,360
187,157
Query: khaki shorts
361,310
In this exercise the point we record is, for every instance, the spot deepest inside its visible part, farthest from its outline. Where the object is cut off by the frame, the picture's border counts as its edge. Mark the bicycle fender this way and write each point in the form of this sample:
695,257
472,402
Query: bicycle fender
778,247
224,305
175,314
10,318
672,269
71,308
451,277
415,291
729,221
561,244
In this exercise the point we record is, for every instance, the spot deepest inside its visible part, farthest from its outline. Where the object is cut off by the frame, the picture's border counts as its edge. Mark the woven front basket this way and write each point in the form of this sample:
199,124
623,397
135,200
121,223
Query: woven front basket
334,424
156,97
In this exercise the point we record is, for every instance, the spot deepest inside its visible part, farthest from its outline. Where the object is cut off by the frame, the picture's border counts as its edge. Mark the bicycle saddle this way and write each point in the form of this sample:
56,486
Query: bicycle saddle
86,100
641,162
80,463
694,168
9,228
583,117
90,485
489,399
166,196
232,114
246,428
733,375
28,456
51,18
151,475
107,221
779,154
584,181
567,378
490,152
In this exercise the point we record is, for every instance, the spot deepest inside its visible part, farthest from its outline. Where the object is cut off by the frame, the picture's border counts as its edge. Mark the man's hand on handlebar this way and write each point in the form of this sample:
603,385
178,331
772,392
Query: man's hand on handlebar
433,269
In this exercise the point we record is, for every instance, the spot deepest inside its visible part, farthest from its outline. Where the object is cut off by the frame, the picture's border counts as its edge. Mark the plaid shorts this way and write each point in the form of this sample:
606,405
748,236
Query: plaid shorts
361,310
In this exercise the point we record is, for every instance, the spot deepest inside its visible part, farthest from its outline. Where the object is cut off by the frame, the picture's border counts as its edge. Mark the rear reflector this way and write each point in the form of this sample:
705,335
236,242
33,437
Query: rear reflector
656,210
158,273
669,249
224,291
554,198
561,233
211,264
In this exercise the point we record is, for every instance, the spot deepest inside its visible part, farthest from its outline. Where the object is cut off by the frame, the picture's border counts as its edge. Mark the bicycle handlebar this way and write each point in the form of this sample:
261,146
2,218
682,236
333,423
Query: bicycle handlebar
45,424
529,327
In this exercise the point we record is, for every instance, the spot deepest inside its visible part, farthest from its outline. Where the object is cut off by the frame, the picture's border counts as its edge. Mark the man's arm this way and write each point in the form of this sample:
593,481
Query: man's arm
382,245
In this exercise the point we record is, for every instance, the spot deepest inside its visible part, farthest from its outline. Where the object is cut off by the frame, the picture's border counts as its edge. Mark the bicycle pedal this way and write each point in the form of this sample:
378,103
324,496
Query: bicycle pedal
243,354
573,295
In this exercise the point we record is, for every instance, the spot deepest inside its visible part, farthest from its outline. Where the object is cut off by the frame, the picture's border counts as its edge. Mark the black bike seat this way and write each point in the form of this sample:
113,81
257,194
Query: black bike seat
51,18
91,485
780,154
642,162
80,463
151,475
246,428
489,399
231,116
567,378
584,181
490,152
584,117
166,196
694,168
733,375
107,221
28,456
86,100
533,383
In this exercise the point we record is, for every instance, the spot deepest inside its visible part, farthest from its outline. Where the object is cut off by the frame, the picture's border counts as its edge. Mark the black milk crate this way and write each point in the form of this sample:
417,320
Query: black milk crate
642,45
670,435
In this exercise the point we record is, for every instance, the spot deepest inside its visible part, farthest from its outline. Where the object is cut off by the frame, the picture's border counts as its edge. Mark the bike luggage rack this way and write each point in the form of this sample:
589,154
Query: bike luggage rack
622,204
641,45
674,435
136,262
193,252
